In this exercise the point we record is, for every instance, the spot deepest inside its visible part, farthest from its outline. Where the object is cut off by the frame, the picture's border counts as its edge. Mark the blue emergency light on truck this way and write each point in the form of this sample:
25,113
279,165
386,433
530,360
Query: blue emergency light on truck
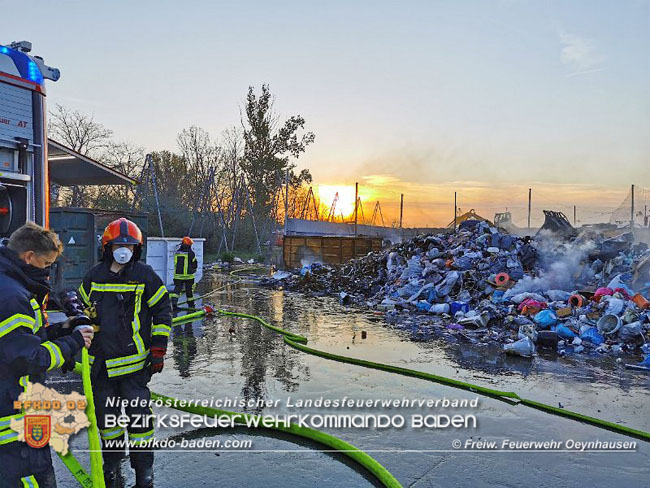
24,182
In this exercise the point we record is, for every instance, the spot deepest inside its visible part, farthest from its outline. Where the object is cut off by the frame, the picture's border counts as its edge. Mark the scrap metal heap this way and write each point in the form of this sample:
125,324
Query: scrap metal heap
581,294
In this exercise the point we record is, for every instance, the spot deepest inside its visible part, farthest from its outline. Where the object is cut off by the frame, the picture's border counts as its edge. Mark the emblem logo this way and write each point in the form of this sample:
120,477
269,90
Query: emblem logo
37,430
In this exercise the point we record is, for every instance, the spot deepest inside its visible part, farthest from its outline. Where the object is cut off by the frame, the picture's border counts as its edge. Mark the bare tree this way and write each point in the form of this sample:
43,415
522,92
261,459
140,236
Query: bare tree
128,159
82,133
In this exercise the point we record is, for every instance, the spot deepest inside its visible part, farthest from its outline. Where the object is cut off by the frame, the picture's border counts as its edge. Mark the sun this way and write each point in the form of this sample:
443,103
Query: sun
345,204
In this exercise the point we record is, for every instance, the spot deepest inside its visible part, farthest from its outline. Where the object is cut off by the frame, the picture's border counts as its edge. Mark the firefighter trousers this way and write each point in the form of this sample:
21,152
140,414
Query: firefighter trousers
109,395
189,286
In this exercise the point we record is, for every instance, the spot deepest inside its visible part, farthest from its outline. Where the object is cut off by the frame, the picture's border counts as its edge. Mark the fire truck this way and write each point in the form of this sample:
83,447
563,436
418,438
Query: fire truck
24,182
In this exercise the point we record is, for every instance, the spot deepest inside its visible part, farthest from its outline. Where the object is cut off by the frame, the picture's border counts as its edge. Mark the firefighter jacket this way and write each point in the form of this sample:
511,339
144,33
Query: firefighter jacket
185,263
28,347
133,312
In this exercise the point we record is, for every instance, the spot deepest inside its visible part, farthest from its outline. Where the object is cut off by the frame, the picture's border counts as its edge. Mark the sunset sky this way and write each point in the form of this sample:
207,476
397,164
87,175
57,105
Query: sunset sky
488,98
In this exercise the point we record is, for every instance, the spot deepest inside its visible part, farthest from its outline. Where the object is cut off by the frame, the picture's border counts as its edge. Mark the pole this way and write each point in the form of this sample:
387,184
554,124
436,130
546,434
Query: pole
356,207
530,196
455,209
286,203
632,210
401,209
574,216
152,171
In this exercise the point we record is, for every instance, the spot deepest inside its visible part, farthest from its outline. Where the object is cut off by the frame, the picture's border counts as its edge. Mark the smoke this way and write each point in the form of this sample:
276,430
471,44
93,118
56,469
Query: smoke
562,265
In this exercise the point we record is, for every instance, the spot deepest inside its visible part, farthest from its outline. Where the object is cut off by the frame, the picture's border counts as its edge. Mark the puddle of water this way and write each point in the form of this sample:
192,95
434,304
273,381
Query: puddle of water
207,360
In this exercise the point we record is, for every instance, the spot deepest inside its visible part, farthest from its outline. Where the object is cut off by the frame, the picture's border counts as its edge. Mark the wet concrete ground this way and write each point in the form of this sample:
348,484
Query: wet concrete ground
206,361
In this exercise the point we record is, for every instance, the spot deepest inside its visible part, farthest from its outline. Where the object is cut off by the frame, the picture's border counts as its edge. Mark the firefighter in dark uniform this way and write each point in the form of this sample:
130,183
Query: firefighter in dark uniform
185,265
29,346
131,307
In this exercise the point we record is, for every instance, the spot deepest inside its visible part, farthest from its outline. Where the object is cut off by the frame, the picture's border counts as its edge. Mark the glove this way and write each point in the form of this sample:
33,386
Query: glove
68,365
157,359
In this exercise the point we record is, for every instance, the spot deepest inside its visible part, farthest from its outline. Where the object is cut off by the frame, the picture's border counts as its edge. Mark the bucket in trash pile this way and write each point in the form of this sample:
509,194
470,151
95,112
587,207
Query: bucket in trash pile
502,279
641,301
576,300
609,324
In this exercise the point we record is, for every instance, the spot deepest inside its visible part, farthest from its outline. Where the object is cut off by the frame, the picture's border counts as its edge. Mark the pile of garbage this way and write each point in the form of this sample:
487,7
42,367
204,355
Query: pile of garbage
576,295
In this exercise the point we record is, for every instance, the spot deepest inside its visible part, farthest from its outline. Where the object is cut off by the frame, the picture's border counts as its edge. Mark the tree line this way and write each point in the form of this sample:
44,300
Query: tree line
230,190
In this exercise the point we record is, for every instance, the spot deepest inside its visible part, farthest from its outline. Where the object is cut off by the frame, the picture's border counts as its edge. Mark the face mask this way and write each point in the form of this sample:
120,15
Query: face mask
122,255
38,274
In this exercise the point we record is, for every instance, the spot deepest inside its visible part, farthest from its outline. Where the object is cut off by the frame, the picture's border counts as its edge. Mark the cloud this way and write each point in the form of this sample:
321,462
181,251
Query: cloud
580,54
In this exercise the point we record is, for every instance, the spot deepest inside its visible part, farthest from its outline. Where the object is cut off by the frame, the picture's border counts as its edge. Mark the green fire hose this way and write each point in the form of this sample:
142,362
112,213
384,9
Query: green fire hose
96,469
77,469
354,453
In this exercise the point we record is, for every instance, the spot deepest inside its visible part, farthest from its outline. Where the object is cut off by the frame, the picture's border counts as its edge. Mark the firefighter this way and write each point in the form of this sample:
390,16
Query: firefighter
185,265
29,346
132,311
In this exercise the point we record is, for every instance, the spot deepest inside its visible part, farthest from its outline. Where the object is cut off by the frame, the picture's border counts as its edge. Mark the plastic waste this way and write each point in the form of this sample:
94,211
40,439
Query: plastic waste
422,290
617,283
433,253
423,306
497,296
591,335
614,305
458,307
602,292
445,287
545,319
527,330
409,289
630,332
439,308
413,269
564,332
478,320
523,347
280,275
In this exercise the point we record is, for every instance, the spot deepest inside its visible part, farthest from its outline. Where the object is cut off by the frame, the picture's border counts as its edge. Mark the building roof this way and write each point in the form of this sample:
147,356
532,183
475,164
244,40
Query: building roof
70,168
